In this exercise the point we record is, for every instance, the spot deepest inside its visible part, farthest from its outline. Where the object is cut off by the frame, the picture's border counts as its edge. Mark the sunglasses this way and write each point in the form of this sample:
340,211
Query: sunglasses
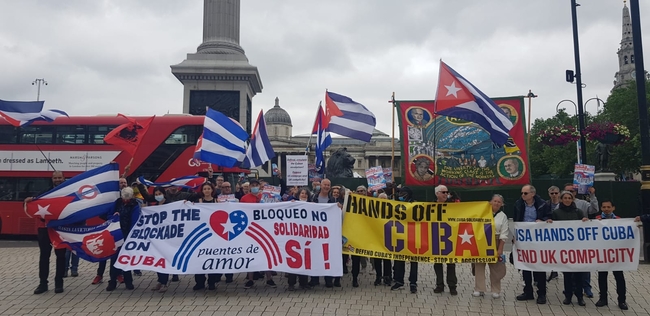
444,192
525,193
554,193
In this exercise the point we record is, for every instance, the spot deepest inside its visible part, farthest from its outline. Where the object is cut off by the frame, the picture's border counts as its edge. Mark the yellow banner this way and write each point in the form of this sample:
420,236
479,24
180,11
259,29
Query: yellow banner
419,231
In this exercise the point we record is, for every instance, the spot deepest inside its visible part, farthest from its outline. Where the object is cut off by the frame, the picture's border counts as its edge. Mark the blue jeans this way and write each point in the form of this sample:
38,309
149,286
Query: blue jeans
71,261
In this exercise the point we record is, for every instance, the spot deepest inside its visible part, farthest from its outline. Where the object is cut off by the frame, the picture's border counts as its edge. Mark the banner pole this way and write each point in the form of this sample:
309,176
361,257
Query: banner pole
392,157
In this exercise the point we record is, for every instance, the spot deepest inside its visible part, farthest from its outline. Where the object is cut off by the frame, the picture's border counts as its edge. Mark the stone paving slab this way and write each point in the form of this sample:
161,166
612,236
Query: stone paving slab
19,275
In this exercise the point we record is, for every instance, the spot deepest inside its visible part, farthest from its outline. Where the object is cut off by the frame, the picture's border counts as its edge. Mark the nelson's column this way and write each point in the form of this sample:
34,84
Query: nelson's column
218,75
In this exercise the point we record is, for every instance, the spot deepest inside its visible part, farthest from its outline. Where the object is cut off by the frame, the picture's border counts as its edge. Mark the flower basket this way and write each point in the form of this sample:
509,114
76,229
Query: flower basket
607,133
558,136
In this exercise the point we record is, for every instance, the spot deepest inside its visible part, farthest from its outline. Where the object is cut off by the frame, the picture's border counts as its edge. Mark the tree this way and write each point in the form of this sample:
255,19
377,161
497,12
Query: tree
622,108
558,161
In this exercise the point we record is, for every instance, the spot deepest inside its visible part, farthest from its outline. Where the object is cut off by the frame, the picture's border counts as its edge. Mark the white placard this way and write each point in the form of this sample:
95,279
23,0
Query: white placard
575,246
26,160
197,238
297,170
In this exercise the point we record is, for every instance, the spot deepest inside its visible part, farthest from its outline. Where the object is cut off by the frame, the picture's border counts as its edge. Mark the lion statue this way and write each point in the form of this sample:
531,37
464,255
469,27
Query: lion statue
340,164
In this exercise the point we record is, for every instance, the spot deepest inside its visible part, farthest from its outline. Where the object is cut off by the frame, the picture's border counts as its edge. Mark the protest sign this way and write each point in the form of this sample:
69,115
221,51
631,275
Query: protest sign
575,246
271,194
583,178
185,238
375,178
419,231
297,170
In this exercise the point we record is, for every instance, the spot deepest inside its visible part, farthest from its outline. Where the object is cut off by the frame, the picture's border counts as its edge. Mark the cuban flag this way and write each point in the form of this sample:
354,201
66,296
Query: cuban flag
323,139
23,113
260,150
87,195
223,142
457,97
349,118
91,243
189,182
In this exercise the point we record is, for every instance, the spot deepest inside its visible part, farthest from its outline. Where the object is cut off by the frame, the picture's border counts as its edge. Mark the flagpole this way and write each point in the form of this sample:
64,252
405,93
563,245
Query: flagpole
392,158
311,134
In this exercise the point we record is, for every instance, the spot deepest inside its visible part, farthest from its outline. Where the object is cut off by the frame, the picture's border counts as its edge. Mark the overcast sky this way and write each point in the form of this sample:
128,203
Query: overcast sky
105,57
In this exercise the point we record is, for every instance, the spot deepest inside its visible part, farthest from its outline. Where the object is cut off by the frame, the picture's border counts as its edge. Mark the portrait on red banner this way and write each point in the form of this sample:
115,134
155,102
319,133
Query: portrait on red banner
445,150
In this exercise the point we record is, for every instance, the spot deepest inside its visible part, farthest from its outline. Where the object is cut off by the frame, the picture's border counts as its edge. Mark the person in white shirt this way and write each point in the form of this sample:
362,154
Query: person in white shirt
498,269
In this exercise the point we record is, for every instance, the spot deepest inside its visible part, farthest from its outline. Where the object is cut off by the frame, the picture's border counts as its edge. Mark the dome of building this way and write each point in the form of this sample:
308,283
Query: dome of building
277,115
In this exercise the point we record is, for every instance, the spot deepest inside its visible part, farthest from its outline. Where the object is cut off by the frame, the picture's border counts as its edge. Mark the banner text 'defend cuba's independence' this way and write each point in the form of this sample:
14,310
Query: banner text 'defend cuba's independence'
186,238
419,231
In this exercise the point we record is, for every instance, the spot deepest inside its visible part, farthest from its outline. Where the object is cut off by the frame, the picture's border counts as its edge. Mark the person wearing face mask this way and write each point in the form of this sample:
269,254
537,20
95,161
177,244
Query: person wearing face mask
315,185
163,278
399,267
129,211
255,196
207,192
442,195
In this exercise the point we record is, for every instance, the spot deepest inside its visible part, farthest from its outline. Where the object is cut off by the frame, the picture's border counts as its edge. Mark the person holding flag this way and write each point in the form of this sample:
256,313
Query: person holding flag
45,247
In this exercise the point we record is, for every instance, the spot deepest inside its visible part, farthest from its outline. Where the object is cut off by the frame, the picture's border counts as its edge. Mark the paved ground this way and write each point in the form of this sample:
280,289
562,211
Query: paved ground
19,278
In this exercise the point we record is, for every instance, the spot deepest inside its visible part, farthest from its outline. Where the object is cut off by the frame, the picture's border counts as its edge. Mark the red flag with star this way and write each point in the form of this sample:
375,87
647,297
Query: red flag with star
48,209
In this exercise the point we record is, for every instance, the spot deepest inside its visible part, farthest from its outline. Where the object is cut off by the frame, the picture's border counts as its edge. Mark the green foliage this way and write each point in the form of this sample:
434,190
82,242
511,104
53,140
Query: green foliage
621,107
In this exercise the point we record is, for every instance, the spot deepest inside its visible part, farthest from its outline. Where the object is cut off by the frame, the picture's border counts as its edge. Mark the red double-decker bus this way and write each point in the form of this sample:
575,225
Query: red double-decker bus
29,155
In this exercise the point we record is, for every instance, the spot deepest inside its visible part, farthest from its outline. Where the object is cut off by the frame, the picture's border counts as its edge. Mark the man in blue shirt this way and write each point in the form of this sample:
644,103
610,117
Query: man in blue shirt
532,208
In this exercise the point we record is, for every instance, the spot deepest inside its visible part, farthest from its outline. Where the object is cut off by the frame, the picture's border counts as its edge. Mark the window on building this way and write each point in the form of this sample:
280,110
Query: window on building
625,60
631,59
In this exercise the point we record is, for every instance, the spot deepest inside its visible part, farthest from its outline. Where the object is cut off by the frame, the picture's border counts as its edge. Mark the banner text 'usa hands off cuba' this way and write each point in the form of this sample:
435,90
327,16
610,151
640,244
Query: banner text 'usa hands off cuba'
185,238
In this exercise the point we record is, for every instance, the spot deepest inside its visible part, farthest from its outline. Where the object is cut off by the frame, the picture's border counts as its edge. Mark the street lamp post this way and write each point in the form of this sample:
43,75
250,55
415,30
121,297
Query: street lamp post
38,83
530,96
578,145
598,102
558,105
578,77
643,119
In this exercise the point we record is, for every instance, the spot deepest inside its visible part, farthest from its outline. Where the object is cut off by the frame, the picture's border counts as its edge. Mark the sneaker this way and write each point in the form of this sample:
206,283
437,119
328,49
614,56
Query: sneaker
271,284
58,290
74,274
477,294
120,278
439,289
98,279
496,295
249,284
541,299
396,286
42,288
525,297
175,278
157,287
601,302
414,288
623,306
112,285
162,289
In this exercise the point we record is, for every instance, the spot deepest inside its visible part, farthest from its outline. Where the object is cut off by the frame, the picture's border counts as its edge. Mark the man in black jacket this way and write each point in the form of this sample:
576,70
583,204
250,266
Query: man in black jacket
128,208
532,208
45,247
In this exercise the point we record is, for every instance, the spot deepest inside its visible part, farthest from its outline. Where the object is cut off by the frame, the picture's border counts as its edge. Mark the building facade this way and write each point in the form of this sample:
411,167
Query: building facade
377,152
626,65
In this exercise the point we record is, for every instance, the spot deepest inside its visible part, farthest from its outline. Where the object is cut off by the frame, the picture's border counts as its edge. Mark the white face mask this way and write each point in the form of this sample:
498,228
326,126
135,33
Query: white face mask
449,196
159,197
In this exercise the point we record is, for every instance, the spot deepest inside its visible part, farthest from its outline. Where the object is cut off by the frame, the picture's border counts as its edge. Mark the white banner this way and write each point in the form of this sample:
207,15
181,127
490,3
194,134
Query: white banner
185,238
61,160
297,170
575,246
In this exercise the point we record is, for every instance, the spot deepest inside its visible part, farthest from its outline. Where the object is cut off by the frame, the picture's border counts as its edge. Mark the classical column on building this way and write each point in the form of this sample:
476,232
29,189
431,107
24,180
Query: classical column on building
219,75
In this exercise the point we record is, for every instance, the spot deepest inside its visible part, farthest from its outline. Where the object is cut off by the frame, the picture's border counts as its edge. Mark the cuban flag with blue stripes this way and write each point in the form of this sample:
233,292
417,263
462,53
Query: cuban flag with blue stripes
23,113
323,139
91,243
189,182
457,97
348,118
223,142
91,194
260,150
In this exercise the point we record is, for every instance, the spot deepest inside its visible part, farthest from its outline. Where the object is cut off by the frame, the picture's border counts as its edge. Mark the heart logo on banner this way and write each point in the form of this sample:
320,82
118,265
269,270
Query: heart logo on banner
228,226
